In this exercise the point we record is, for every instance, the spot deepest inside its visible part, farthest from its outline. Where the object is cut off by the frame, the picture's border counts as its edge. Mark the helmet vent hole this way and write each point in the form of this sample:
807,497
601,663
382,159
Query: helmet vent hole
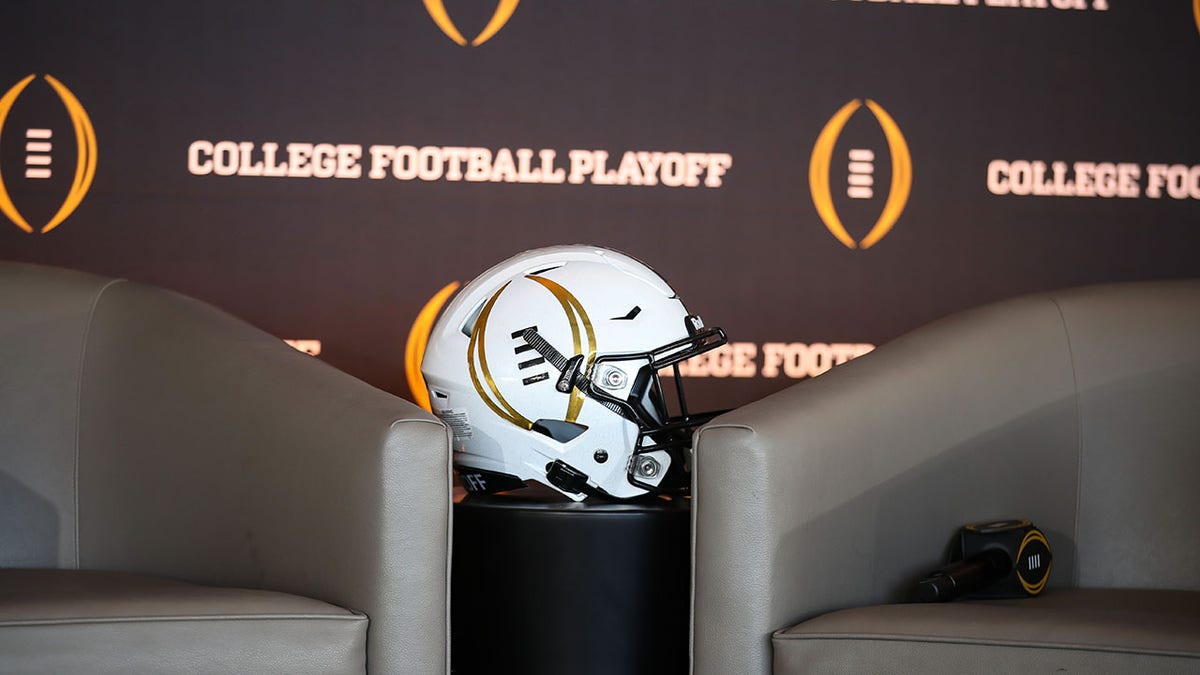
468,326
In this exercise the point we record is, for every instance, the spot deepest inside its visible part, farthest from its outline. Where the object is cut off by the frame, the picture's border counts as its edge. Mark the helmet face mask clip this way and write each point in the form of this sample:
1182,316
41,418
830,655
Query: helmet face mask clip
545,374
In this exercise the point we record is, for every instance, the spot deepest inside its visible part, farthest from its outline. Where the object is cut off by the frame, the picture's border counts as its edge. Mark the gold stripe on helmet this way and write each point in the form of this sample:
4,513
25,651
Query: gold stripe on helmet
571,306
500,406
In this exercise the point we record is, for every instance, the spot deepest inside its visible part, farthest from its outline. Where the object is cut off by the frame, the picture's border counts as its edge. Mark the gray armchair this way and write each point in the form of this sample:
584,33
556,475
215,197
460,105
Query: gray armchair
181,492
817,509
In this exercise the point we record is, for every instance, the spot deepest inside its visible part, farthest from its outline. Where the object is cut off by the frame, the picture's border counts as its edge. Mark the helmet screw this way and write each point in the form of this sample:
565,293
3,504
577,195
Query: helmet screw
647,467
601,456
613,379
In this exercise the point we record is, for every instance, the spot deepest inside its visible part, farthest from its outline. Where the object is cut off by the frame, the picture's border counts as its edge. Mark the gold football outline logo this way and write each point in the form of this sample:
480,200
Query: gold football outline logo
504,12
418,337
1033,536
481,375
85,164
818,174
577,317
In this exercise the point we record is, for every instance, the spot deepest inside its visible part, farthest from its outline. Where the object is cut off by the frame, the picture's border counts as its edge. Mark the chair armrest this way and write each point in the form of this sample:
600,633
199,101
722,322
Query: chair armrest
212,452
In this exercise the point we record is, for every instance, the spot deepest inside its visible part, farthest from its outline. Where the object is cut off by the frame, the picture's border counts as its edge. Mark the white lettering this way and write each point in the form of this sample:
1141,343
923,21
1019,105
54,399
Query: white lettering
324,160
602,176
405,167
299,155
200,158
381,156
225,158
797,359
246,166
673,172
453,158
792,359
455,163
735,359
630,171
479,165
718,164
549,173
272,169
997,177
311,347
1181,182
650,162
429,164
583,162
1081,179
503,170
1097,5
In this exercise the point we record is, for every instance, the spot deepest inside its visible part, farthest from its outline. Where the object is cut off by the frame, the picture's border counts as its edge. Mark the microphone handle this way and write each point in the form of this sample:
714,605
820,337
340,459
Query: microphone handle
965,577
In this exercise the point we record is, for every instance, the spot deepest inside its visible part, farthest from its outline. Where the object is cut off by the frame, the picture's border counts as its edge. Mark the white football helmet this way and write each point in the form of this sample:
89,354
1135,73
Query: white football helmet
546,369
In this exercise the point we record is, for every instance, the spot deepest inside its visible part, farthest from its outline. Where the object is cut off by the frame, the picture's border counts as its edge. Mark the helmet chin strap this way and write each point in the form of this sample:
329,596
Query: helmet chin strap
565,477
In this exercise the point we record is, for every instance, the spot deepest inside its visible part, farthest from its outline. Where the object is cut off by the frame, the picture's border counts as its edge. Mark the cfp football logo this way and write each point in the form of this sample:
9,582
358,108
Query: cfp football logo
582,335
860,181
39,147
1035,543
504,11
583,341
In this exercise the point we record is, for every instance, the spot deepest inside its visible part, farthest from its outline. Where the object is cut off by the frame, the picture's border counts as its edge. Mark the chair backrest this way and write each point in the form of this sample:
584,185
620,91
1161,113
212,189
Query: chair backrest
1135,355
44,320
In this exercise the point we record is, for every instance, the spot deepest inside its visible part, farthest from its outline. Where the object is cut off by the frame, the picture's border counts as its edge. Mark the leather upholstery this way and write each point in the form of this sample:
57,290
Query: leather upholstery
1068,630
147,432
1073,409
70,621
43,320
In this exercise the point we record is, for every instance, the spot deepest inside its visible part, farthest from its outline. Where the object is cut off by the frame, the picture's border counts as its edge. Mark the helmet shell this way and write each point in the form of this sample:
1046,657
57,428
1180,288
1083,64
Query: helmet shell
492,387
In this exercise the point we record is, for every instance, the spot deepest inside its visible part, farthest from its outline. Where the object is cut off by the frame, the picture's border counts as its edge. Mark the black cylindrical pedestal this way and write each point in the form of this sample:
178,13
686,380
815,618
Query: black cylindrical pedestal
553,586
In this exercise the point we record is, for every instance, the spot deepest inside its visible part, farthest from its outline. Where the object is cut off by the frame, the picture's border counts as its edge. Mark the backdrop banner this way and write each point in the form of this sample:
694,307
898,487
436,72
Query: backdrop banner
816,177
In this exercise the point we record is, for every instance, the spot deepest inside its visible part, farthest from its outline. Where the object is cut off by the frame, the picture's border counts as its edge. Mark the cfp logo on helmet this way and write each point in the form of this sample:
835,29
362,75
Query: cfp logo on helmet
860,180
504,11
39,154
583,341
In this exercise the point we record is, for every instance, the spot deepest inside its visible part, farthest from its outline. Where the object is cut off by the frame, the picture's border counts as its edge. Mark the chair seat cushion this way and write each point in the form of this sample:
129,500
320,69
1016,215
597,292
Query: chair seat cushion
72,621
1076,630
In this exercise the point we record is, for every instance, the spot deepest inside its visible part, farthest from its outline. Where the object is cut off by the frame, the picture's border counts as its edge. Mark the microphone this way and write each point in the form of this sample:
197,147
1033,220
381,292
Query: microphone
965,577
993,559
